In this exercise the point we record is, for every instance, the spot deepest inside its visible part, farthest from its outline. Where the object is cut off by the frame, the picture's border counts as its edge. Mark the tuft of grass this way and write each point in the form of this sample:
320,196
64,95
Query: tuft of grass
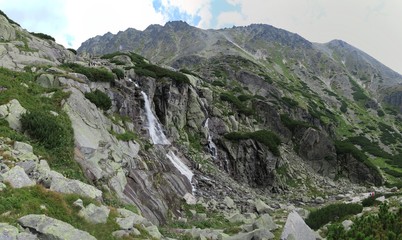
127,136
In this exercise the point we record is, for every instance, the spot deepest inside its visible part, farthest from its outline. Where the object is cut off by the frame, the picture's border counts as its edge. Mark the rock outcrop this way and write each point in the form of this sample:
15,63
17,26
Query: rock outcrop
12,112
51,228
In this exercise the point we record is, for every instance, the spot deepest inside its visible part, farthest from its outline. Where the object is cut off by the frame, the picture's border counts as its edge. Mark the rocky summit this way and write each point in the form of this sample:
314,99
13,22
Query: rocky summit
176,132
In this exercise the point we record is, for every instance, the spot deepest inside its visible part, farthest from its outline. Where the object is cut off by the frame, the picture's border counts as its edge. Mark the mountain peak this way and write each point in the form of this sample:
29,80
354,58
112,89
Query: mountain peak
177,25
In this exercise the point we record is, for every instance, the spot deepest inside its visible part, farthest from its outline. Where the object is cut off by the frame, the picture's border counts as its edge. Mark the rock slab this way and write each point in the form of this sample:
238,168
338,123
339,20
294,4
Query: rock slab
51,228
296,229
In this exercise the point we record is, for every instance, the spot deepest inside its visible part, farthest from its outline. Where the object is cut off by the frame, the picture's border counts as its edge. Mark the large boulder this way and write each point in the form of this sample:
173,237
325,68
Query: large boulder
12,112
95,214
296,229
17,178
50,228
8,232
48,81
58,183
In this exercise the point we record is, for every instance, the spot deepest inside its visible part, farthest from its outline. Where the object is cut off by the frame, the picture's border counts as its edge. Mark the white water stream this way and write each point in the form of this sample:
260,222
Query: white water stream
154,128
158,137
211,145
179,165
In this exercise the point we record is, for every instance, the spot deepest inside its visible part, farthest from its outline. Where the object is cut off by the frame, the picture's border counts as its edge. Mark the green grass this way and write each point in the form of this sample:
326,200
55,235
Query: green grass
215,220
24,201
127,136
57,150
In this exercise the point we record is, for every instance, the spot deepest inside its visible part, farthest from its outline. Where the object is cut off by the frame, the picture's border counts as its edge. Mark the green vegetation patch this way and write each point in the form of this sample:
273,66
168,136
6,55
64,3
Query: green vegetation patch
43,36
214,220
8,19
358,93
48,129
384,225
268,138
324,215
237,103
119,73
51,136
92,73
38,200
292,124
346,147
100,99
161,72
127,136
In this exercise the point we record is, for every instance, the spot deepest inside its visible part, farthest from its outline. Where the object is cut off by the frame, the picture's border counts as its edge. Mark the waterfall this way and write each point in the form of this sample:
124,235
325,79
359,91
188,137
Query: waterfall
179,165
211,145
154,128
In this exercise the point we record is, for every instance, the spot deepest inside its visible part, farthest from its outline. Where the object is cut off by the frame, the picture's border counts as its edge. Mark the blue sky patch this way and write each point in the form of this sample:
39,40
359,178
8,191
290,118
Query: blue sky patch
219,6
174,13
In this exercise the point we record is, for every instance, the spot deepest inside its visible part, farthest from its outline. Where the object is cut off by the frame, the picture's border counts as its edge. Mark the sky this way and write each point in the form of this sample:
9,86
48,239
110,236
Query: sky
373,26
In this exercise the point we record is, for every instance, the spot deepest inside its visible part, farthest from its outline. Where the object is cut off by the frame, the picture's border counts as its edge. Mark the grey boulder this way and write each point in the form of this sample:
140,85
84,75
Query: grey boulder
50,228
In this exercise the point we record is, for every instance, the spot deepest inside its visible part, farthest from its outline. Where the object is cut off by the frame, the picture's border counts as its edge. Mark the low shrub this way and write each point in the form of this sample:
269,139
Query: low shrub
268,138
333,212
145,72
290,102
292,124
161,72
93,74
370,201
218,83
245,97
47,128
43,36
344,107
100,99
240,106
72,50
8,19
384,225
119,73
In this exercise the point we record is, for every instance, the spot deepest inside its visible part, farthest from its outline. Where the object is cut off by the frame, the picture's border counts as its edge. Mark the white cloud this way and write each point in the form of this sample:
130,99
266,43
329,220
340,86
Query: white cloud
194,8
91,17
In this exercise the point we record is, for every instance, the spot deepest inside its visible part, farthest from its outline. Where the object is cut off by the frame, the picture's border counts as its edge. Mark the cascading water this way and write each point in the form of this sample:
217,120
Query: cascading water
155,129
179,165
211,145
